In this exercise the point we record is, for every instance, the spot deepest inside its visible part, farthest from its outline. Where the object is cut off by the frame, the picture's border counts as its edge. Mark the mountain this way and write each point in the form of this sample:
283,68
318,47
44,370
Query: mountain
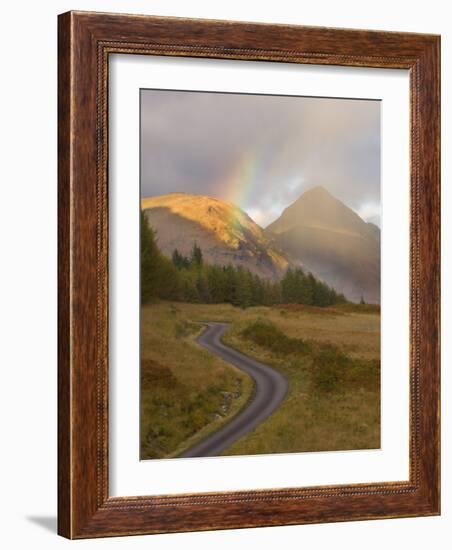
225,234
375,230
333,242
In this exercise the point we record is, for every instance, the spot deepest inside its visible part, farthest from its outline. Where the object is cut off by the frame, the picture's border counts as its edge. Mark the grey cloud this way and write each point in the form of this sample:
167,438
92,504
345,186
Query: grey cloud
191,141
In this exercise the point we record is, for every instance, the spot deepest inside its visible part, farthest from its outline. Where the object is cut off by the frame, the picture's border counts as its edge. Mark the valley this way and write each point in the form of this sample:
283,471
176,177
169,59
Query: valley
298,300
330,357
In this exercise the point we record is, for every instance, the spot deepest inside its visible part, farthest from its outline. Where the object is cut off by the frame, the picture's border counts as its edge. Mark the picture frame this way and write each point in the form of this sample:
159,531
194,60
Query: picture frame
86,40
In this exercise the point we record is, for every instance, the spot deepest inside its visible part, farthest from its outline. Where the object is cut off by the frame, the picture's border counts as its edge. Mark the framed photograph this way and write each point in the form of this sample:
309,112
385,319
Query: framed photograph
248,275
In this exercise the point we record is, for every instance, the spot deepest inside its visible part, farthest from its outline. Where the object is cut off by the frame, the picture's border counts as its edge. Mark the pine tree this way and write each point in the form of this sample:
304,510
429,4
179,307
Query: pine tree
274,294
216,283
321,294
230,285
189,291
150,259
168,285
203,287
196,255
257,290
177,258
311,285
243,292
288,286
299,287
306,291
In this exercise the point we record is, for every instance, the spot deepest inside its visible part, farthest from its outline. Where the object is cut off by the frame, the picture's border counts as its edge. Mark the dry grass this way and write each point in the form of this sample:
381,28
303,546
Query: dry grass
185,390
331,360
334,393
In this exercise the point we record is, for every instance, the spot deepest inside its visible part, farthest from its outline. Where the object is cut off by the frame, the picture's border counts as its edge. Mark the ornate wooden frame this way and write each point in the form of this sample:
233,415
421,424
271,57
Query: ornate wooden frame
85,42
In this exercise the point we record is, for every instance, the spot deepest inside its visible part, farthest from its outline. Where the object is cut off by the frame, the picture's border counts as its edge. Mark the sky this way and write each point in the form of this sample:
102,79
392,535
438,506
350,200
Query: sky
261,152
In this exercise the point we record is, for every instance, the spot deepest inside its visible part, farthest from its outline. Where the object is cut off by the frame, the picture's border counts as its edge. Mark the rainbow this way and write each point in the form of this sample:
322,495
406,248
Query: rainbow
252,165
237,186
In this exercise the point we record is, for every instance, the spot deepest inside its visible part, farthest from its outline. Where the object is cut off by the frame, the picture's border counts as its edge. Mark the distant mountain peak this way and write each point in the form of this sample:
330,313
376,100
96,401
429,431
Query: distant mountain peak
317,190
333,241
318,207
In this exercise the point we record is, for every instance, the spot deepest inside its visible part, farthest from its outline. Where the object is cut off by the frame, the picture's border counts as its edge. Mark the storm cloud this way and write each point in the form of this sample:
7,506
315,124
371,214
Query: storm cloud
274,147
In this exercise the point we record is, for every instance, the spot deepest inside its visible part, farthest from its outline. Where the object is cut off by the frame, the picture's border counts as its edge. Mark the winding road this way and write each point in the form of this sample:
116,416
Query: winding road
270,390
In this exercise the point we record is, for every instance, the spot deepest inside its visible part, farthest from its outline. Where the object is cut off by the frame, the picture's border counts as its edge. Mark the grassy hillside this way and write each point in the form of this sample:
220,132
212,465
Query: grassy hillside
330,356
226,234
186,392
332,362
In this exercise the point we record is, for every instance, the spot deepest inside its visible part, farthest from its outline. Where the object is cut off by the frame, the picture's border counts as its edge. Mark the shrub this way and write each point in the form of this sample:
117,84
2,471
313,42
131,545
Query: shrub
328,368
267,335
